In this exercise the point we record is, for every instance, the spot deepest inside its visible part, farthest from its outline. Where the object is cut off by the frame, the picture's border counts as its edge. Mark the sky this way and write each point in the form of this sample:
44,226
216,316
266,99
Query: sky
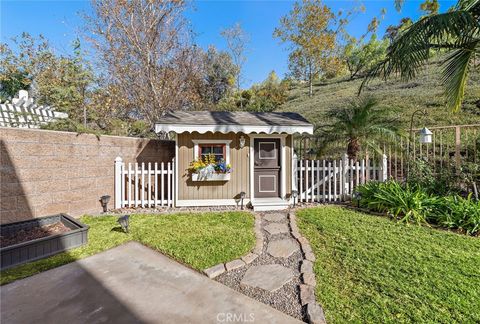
61,22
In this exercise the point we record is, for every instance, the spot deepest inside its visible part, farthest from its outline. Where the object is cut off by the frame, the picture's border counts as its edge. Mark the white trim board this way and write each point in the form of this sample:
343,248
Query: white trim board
251,169
283,165
293,166
202,129
213,141
283,168
175,199
210,202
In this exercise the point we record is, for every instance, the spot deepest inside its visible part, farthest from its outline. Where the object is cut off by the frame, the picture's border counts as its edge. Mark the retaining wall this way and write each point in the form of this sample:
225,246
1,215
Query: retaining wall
47,172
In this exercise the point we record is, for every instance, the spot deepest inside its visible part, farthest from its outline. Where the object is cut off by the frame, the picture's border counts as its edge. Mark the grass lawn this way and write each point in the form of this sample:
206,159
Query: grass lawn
199,240
372,269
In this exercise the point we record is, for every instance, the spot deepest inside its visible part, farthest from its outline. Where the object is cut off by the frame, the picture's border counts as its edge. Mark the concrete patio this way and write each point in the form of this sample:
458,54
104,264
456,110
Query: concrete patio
129,284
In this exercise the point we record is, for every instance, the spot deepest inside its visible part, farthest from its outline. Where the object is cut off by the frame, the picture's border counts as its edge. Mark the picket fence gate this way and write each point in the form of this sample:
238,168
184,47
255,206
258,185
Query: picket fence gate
334,180
144,184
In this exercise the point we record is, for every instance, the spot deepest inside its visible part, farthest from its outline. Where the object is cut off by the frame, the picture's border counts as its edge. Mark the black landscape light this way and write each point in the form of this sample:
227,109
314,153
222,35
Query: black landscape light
357,196
123,221
294,195
242,196
105,199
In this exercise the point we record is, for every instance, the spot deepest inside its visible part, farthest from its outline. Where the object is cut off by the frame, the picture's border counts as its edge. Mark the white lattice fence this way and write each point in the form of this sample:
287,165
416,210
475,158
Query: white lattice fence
335,180
22,112
144,184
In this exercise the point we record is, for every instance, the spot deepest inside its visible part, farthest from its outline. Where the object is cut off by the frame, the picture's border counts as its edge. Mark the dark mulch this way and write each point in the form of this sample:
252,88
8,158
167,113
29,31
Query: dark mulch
33,233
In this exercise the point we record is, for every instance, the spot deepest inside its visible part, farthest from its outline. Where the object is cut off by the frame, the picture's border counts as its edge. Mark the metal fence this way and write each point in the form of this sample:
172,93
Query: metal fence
452,146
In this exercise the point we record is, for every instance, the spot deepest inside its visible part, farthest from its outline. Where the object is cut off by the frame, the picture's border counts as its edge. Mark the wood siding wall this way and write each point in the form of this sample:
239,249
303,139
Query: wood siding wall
240,176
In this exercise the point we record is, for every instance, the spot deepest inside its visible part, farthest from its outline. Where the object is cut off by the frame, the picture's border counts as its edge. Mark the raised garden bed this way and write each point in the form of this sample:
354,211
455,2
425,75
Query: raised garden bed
38,238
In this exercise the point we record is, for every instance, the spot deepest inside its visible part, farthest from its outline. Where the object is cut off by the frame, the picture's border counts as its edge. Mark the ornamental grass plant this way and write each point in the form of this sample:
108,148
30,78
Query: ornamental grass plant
414,204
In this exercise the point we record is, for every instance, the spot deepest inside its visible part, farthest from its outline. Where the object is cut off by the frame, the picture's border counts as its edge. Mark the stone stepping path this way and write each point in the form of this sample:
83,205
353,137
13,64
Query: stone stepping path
275,217
282,248
273,274
277,271
269,277
276,228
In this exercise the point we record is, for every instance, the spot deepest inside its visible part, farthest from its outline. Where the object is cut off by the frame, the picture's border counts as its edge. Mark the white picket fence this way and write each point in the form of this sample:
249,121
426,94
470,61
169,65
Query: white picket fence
330,181
153,184
144,184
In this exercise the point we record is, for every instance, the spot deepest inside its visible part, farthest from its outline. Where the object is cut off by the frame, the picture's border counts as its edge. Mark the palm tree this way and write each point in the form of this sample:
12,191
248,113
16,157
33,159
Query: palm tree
456,32
362,124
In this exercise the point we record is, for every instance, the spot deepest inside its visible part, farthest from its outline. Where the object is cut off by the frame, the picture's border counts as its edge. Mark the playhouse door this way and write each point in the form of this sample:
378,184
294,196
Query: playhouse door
267,167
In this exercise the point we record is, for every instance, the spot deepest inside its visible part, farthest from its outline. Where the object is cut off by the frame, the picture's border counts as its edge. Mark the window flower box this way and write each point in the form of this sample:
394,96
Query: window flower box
211,177
209,168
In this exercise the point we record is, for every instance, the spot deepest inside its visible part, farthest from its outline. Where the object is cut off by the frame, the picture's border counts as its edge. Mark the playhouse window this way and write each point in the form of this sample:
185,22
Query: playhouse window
218,150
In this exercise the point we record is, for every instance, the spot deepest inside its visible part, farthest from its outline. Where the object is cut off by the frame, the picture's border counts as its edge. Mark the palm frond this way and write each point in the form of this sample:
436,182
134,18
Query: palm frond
454,76
411,50
362,121
469,5
398,4
373,146
456,30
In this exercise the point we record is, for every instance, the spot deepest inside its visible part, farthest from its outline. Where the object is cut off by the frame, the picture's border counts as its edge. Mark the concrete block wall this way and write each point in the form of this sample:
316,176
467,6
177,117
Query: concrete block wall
47,172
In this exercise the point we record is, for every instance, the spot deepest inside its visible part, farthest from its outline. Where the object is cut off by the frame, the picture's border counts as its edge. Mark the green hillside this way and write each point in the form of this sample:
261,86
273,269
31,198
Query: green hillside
403,98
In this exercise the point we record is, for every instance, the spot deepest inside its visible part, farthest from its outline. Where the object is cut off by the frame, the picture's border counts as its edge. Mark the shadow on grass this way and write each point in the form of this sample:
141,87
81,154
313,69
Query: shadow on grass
118,229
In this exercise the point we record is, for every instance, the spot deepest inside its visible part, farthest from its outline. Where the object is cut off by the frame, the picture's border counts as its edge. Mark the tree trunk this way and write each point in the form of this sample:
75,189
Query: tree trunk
84,109
353,148
353,74
84,115
240,92
310,82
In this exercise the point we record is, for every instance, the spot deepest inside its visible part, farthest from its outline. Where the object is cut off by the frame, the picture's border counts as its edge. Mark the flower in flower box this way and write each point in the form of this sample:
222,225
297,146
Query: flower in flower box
208,165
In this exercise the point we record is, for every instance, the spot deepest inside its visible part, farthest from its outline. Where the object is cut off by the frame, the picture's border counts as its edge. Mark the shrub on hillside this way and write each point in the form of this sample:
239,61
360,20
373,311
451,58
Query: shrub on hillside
263,97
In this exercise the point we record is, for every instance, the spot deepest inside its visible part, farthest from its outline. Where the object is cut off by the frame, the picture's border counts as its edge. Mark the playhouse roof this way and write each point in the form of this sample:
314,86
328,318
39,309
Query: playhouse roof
237,122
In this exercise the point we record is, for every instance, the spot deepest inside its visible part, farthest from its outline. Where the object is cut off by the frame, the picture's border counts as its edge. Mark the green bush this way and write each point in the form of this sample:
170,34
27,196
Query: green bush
462,213
413,203
404,202
441,182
